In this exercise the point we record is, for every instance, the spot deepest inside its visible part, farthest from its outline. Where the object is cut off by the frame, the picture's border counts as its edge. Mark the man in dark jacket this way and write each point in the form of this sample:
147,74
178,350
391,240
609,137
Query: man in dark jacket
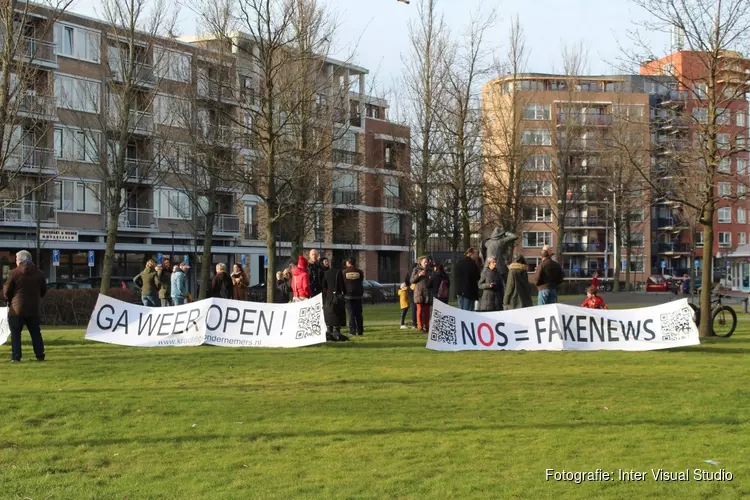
315,271
23,292
466,277
353,289
549,275
164,283
221,284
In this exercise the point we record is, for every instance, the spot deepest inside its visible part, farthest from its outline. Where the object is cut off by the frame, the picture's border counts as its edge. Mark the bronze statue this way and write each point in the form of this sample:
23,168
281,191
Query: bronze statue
497,245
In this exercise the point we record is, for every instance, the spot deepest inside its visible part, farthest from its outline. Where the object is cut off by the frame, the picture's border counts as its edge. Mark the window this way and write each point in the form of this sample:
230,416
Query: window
722,116
725,215
76,145
391,188
741,215
538,163
537,214
724,167
537,239
700,115
636,263
722,141
741,166
636,240
636,215
741,142
532,263
741,238
700,90
740,118
171,204
77,196
536,112
172,65
699,240
77,43
77,94
725,239
725,189
345,181
391,224
172,111
536,188
741,191
538,137
174,158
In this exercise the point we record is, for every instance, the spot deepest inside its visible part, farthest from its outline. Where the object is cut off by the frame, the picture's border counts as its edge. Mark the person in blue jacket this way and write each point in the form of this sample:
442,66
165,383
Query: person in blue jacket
179,284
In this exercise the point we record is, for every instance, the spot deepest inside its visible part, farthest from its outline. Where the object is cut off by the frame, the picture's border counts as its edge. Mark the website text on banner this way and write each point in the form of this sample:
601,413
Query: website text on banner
219,322
4,326
558,327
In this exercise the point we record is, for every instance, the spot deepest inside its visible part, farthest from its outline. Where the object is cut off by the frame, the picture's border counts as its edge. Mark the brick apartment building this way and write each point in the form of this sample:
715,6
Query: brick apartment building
76,55
666,239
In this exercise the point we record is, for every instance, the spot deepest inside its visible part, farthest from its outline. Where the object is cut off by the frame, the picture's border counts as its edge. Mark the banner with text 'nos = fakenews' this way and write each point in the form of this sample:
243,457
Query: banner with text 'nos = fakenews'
559,327
221,322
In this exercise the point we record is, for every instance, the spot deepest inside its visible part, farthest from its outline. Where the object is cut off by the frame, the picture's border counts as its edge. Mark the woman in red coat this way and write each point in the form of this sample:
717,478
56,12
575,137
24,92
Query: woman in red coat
300,281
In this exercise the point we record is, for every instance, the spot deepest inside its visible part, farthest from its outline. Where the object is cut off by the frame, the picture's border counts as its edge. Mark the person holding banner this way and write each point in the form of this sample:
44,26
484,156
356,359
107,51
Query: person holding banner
517,287
466,277
334,305
221,285
240,282
23,291
491,284
301,281
354,279
549,275
179,286
146,281
420,280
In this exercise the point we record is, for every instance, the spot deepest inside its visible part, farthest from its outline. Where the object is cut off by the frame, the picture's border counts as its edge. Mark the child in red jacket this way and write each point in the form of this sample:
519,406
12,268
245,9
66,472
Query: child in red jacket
593,301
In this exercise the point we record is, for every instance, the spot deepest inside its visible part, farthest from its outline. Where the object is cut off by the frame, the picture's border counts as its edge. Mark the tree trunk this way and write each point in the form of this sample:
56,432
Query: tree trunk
707,285
206,261
616,255
109,248
271,251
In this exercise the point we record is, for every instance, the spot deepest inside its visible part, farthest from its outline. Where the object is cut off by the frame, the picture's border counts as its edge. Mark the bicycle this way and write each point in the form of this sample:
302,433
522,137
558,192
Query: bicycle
723,317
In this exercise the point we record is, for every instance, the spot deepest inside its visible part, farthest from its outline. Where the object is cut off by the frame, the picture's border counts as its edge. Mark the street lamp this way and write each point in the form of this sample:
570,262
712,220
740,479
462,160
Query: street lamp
172,227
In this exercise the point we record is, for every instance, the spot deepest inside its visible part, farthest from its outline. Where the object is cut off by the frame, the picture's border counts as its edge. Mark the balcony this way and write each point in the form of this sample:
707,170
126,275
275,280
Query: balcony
586,247
139,122
670,223
355,121
585,222
27,213
217,134
214,91
41,107
675,97
348,157
137,170
33,161
137,218
143,74
345,197
223,224
584,119
37,51
344,237
251,231
394,240
670,248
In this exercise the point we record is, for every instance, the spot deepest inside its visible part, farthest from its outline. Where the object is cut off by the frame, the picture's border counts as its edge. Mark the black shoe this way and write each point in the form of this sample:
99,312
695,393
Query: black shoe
14,361
342,338
40,358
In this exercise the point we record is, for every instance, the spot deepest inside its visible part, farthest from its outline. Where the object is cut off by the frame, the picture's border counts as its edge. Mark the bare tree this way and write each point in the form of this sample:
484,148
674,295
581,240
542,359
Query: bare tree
713,73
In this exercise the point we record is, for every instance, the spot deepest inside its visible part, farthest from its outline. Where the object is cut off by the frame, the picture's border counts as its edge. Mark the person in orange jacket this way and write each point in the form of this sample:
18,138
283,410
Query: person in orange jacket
593,301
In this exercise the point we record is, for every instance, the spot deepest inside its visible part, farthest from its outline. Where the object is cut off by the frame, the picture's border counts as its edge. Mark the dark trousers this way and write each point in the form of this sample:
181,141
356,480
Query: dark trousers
413,308
166,302
354,308
404,312
16,327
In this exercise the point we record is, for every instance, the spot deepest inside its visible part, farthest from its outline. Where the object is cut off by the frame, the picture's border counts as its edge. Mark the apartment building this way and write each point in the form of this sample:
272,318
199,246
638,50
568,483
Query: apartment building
558,118
76,61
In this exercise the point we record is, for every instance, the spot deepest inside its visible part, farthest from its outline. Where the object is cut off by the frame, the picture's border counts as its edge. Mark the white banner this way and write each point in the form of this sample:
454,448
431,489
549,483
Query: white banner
219,322
4,326
558,327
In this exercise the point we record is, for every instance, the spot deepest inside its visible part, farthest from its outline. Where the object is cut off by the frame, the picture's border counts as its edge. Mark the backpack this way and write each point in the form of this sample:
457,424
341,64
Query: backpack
443,289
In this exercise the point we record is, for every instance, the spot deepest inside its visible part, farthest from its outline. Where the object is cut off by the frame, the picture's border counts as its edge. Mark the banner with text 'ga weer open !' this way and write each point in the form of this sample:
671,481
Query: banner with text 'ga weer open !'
221,322
559,327
4,327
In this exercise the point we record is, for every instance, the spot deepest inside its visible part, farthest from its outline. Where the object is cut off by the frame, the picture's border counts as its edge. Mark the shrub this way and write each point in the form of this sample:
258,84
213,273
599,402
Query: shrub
74,307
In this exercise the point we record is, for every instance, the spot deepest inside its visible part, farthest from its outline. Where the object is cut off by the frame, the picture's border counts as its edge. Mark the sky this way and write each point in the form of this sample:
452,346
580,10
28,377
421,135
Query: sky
376,31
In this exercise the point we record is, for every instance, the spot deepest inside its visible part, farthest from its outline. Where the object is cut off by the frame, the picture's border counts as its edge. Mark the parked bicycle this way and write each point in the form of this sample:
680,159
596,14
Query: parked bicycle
723,317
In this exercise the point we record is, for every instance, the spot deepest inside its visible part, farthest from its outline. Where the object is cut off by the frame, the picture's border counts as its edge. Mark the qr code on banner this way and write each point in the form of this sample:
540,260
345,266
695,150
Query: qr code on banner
443,328
677,325
308,324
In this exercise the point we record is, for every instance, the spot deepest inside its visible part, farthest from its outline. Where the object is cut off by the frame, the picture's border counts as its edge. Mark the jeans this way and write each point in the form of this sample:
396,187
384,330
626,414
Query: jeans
547,296
354,308
404,312
423,316
15,323
465,304
149,301
178,301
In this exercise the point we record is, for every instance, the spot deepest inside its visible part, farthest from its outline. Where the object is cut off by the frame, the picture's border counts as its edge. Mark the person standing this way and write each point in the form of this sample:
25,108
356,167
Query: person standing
420,278
595,280
549,275
354,290
300,281
517,287
282,287
403,299
491,284
412,305
179,286
440,284
334,304
466,276
315,272
240,282
23,292
164,283
221,284
146,281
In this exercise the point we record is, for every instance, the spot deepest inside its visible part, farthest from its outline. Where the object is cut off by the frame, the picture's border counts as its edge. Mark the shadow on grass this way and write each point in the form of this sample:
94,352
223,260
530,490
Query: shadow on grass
712,349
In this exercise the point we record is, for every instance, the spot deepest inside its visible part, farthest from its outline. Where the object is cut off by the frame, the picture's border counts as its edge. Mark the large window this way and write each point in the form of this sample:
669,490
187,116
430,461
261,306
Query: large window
391,224
741,216
700,90
537,214
171,204
724,166
537,239
740,118
538,137
77,42
725,189
77,94
538,163
536,188
172,65
741,191
741,238
77,196
172,111
725,239
722,141
725,215
536,112
722,116
344,180
636,214
174,157
700,115
76,145
636,240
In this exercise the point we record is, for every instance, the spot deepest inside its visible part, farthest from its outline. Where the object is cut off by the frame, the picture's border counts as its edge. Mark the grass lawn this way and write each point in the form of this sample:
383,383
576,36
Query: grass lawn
378,417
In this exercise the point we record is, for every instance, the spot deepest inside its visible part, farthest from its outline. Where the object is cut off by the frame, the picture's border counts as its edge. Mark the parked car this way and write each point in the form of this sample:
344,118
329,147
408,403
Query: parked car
658,283
114,282
64,286
373,291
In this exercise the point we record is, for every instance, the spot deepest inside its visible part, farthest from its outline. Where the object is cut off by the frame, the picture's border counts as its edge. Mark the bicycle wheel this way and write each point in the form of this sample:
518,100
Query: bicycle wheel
724,321
697,311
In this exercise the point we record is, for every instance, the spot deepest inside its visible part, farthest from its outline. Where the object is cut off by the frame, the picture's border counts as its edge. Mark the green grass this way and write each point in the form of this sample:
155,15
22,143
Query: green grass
378,417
